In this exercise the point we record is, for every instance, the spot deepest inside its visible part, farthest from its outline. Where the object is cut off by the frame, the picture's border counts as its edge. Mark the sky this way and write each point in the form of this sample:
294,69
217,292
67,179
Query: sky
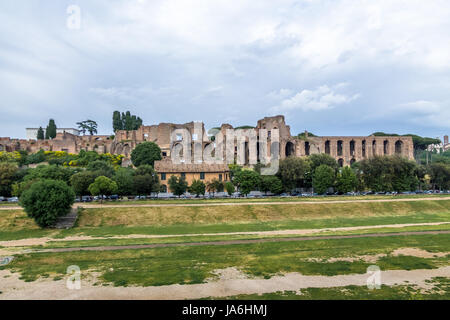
332,67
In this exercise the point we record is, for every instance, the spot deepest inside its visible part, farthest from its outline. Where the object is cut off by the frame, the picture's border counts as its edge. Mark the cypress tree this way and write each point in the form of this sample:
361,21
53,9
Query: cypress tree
40,134
117,121
50,132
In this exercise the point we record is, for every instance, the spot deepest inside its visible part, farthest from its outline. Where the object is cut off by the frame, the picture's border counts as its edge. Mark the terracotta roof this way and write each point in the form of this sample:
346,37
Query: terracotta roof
169,167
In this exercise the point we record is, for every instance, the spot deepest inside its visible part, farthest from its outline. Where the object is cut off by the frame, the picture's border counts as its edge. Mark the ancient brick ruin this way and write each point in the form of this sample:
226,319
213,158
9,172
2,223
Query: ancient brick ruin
345,150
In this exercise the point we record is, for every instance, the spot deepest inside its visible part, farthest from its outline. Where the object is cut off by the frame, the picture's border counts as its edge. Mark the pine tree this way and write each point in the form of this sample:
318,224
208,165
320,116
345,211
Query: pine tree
40,134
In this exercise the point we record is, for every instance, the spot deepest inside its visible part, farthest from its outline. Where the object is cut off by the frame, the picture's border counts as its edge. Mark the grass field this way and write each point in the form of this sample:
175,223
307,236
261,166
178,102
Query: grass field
195,265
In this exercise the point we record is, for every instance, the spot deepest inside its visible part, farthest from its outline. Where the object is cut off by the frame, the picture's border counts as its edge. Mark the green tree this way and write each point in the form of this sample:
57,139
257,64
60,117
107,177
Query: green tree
89,126
214,186
197,187
146,180
46,200
8,171
146,153
101,168
272,184
247,180
52,172
117,121
103,186
124,178
40,134
318,159
440,175
229,187
178,186
294,172
346,180
81,181
50,132
323,178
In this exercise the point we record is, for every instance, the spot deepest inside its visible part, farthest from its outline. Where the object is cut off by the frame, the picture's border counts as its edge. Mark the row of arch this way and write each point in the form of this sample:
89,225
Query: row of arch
290,148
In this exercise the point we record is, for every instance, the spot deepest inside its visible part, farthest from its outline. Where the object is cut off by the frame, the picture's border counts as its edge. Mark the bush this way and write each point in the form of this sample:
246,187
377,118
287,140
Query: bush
46,200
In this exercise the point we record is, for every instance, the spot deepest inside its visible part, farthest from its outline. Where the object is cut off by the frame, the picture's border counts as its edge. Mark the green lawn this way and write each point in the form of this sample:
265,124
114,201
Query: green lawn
160,266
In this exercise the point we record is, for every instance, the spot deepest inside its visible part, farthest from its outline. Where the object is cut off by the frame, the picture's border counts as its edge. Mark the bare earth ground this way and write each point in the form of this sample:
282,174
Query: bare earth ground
45,240
91,206
231,282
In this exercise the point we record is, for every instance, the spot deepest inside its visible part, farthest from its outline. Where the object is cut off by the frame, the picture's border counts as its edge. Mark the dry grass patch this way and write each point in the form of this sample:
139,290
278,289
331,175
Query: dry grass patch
14,220
159,216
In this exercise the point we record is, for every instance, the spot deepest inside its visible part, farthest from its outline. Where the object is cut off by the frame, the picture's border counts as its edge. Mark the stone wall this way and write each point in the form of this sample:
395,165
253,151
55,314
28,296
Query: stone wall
345,150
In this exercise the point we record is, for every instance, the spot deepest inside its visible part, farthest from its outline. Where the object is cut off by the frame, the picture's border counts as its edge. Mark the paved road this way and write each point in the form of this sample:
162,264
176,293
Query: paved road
88,206
234,242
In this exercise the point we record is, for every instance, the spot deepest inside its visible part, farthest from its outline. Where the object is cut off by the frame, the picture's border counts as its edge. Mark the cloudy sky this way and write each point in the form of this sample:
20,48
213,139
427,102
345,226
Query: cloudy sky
333,67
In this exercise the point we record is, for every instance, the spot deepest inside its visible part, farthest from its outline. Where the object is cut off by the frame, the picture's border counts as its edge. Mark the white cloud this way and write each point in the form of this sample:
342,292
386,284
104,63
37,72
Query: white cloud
319,99
426,113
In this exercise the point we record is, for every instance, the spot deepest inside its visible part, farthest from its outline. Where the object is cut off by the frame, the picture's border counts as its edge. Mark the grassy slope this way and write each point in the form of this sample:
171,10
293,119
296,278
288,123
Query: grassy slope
195,264
187,220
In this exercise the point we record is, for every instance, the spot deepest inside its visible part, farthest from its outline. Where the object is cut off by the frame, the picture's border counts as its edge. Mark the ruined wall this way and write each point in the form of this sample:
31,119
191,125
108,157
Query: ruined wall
345,150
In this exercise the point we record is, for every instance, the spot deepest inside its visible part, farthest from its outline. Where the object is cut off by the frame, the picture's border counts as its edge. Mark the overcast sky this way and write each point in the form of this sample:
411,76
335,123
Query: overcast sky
333,67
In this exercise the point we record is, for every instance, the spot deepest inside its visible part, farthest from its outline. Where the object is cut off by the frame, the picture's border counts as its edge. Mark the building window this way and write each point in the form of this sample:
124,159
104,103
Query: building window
164,154
163,176
220,177
202,176
183,175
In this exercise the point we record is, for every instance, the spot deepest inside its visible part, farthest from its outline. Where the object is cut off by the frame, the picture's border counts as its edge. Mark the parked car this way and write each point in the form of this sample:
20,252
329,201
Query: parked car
2,199
114,197
13,199
86,199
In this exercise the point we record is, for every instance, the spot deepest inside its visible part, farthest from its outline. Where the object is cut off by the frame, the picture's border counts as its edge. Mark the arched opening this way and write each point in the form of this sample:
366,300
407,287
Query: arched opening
163,188
339,147
327,147
352,148
341,162
363,148
307,148
290,149
398,147
386,147
352,161
374,147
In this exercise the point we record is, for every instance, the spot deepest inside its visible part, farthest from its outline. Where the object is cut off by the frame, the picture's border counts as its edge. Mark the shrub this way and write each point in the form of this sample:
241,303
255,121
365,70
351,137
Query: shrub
46,200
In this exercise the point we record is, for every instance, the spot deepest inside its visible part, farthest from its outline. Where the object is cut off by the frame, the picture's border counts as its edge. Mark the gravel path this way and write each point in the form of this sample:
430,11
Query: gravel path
85,205
236,242
231,282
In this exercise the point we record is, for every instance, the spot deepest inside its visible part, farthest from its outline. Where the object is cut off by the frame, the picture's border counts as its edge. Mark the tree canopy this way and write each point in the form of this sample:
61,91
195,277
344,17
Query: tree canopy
145,153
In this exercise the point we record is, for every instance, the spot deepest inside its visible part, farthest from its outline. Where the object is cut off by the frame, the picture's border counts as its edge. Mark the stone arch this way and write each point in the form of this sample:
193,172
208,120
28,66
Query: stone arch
307,148
340,148
374,147
363,148
290,149
341,162
352,161
386,147
327,147
399,147
163,188
352,148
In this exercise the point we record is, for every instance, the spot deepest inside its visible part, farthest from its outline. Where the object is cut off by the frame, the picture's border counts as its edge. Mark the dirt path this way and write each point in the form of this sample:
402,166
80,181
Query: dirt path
84,205
231,282
46,240
236,242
